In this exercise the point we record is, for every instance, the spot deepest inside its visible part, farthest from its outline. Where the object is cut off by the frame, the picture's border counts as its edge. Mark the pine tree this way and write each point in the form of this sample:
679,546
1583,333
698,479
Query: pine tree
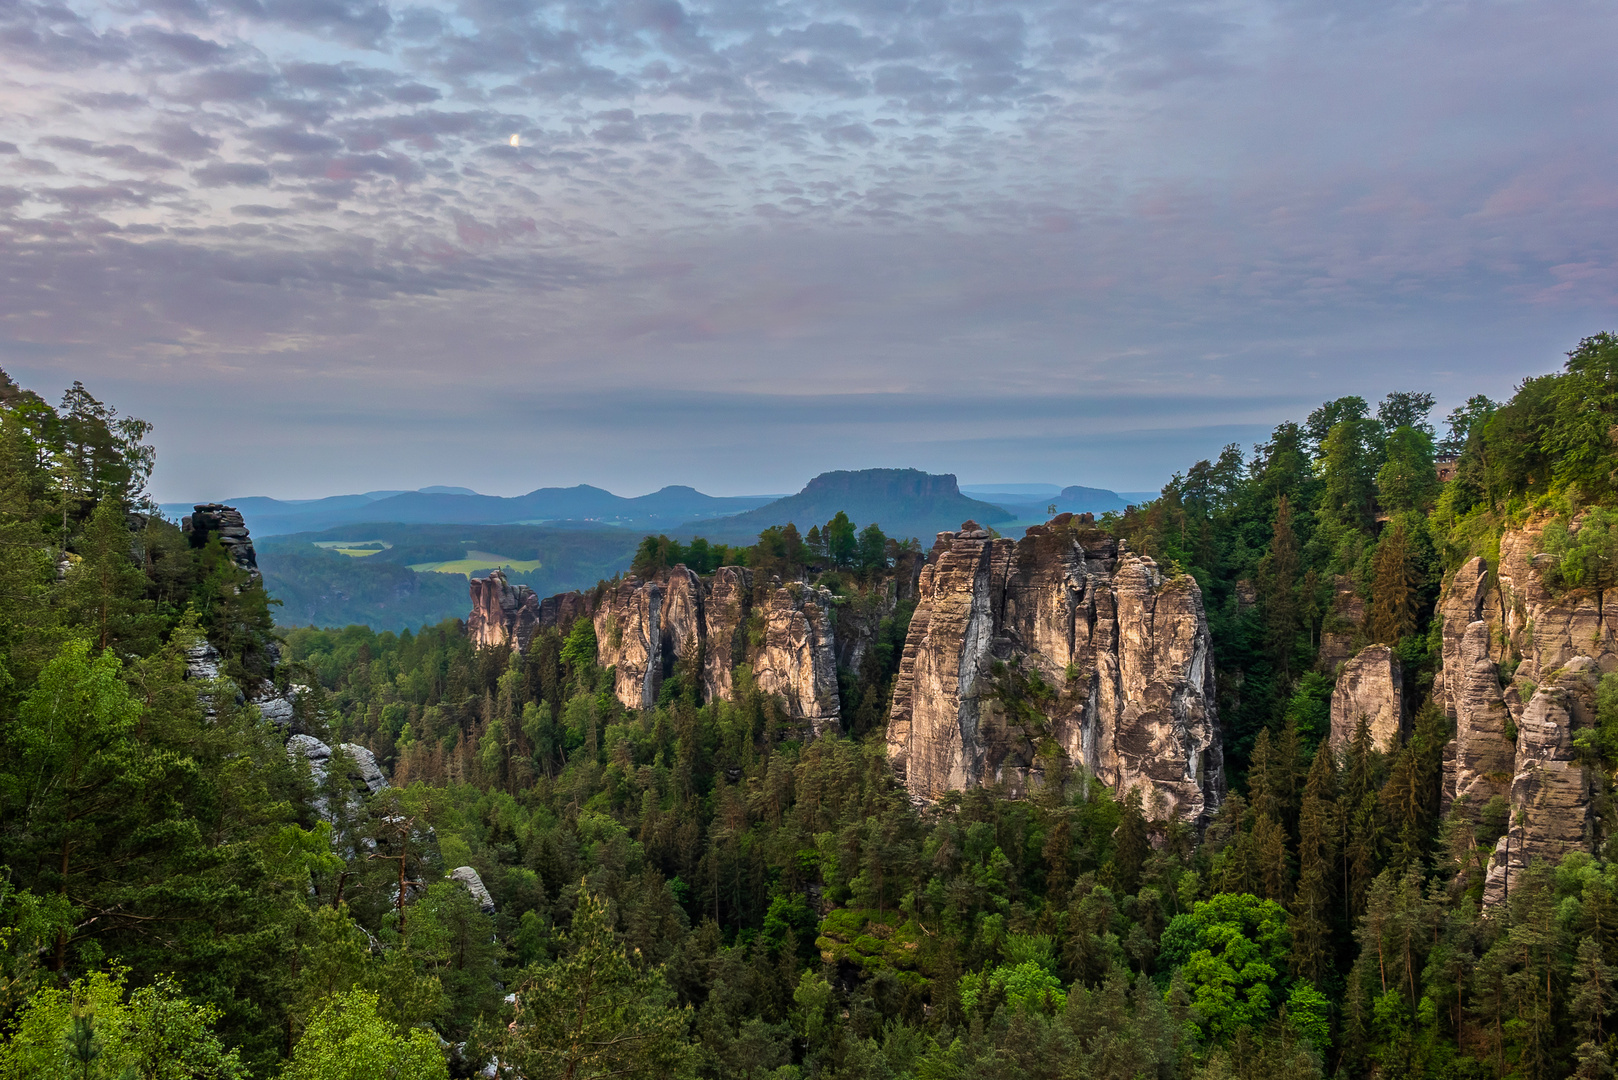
1280,571
1395,596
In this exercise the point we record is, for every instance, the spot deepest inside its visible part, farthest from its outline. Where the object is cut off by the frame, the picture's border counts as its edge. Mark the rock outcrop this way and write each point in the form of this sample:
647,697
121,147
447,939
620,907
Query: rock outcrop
502,614
1342,626
1550,791
473,882
1063,636
1556,645
729,603
215,518
629,639
1371,685
797,661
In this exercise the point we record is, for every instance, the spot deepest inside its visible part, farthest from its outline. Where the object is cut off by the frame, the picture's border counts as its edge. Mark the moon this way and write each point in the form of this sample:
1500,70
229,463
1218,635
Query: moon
516,140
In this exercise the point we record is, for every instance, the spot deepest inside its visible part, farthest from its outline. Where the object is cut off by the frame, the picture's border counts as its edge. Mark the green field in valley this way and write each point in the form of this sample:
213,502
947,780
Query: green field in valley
475,561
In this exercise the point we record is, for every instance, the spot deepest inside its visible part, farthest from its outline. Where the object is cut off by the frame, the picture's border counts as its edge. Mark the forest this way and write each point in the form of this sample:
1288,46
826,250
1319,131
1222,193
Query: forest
699,890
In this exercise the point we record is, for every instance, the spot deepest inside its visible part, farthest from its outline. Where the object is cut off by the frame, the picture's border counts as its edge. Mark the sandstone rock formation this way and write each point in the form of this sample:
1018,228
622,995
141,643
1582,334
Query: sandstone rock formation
470,878
207,518
797,661
629,638
1550,792
1118,657
501,613
729,603
1371,685
1558,645
563,610
1342,626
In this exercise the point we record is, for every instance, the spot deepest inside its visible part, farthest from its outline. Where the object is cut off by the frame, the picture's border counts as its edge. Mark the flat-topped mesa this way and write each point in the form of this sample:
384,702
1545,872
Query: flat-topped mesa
209,518
1061,649
501,614
1561,643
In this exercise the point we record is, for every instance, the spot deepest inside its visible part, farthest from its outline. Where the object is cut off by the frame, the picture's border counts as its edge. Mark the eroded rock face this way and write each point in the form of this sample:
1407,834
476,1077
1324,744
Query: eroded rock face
473,883
629,638
1124,654
1370,685
1550,792
207,518
1342,626
502,614
1483,760
561,611
798,660
1560,644
683,626
728,605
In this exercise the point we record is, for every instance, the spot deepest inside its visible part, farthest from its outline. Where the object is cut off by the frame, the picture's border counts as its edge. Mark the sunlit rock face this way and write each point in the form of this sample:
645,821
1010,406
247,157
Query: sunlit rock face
1369,687
1514,736
797,661
502,614
1551,791
728,605
1059,651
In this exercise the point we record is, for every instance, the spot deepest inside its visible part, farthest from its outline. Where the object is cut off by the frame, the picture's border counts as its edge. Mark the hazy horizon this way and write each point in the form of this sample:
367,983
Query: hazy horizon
359,244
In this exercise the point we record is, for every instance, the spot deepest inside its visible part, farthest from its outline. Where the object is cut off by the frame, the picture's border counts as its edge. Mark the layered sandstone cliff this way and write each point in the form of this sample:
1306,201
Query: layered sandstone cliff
501,614
1369,687
1061,648
1514,736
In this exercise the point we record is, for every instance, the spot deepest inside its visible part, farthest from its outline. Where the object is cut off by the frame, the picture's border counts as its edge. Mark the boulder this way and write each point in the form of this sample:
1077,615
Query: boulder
1370,685
1342,626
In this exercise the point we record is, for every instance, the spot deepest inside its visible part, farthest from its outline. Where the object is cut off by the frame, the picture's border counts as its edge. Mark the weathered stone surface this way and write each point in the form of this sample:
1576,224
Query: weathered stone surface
227,522
629,639
561,611
1484,758
468,877
1550,792
1370,685
1461,605
728,605
798,659
1126,653
1550,630
502,614
365,770
1342,626
312,750
683,628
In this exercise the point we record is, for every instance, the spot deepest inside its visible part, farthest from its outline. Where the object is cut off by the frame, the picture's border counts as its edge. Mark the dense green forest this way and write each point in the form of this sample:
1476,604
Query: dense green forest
695,890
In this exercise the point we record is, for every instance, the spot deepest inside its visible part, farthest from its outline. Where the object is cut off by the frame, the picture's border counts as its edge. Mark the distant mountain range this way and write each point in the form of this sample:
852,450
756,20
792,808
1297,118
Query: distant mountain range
905,502
661,510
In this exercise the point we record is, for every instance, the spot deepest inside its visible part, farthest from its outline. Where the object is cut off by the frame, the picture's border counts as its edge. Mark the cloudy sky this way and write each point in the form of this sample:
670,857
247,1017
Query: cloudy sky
738,242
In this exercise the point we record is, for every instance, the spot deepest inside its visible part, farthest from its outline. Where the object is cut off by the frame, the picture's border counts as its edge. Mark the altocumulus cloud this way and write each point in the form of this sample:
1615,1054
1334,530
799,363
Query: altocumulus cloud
741,241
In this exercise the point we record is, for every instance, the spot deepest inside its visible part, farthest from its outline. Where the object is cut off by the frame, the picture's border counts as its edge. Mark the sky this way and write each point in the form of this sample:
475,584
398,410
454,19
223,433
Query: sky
339,245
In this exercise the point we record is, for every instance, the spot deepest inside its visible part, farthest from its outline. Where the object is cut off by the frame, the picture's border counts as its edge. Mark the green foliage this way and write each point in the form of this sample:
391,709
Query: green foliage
89,1029
349,1040
1585,557
595,1011
1231,950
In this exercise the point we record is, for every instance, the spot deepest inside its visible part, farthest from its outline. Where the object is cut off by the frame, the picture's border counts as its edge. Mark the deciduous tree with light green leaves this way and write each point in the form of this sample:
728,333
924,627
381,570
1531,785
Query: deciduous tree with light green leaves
349,1040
